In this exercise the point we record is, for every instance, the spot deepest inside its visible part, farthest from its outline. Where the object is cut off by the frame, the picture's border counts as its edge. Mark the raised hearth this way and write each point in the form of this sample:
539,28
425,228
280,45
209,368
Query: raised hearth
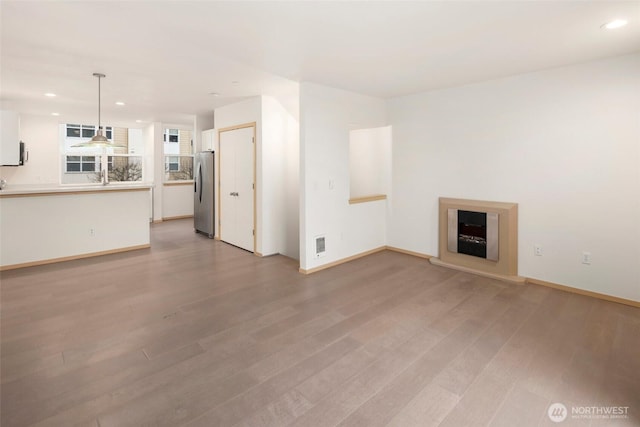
479,237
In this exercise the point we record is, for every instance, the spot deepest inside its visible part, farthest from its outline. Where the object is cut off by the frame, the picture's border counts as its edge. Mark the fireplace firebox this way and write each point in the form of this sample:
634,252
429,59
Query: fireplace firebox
473,233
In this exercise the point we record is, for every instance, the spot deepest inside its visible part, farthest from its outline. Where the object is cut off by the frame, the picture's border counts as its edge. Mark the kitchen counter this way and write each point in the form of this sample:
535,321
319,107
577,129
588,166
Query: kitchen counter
53,189
42,224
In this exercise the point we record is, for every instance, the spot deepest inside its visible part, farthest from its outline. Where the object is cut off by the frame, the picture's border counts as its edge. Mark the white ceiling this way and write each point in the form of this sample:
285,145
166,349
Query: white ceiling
164,58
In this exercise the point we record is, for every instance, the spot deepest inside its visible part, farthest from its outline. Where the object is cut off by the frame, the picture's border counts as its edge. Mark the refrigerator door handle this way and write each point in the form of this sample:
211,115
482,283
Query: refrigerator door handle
200,178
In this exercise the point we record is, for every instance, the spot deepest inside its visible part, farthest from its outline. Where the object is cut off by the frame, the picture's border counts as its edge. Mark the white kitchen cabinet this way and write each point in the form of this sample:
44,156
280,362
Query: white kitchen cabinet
209,139
9,138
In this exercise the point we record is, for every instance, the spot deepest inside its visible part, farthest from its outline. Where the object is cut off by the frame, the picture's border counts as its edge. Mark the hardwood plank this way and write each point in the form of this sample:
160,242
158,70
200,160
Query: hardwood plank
178,404
344,400
463,370
280,412
482,399
382,407
521,407
83,403
427,408
267,391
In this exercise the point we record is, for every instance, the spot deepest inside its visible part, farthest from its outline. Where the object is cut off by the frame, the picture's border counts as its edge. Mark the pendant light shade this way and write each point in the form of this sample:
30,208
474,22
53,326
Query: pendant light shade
99,140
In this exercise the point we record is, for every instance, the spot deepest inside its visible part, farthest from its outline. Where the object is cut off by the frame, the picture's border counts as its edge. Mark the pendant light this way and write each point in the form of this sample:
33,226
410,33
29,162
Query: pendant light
98,140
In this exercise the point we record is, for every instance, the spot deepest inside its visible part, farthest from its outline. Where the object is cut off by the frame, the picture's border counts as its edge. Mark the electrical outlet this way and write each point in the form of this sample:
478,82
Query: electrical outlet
537,250
586,258
92,232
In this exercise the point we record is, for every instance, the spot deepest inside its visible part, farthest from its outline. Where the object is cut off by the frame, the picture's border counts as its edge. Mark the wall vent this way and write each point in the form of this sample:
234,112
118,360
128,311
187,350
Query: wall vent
320,246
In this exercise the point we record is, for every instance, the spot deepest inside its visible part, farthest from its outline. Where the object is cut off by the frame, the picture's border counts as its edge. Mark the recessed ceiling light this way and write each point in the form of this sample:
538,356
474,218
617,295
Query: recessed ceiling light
214,94
50,95
55,114
618,23
138,121
235,82
119,103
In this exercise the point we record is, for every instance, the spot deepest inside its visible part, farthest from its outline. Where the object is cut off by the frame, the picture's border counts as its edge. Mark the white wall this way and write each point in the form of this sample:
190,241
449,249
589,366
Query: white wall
563,143
40,135
9,137
326,117
370,161
291,188
135,142
177,200
154,164
280,169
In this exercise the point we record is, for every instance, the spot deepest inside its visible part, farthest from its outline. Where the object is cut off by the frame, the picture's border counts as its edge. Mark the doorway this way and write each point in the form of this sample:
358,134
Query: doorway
237,186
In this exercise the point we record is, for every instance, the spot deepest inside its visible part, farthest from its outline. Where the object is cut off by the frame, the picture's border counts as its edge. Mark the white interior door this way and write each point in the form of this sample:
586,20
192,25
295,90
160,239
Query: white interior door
227,188
237,188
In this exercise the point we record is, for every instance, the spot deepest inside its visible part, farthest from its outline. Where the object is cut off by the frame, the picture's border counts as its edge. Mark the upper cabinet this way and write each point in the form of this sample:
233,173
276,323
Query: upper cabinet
209,138
9,138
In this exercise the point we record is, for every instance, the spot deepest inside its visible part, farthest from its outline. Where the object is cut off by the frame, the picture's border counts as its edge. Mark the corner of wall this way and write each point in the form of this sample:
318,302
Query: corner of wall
326,116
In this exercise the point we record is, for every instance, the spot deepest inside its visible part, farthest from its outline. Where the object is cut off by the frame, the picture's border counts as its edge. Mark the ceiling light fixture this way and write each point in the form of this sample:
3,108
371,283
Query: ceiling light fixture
55,114
119,103
98,140
214,94
618,23
50,95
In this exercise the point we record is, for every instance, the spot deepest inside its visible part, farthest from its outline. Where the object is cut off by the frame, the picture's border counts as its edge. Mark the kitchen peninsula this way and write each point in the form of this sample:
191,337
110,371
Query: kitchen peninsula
45,224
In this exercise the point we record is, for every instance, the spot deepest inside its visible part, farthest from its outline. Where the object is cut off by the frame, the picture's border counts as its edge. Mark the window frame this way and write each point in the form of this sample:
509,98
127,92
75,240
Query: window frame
174,165
108,131
110,162
167,136
105,158
168,163
81,162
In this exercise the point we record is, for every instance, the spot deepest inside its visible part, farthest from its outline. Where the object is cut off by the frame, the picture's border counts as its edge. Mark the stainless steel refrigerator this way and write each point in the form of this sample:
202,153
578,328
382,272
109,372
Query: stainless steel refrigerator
203,193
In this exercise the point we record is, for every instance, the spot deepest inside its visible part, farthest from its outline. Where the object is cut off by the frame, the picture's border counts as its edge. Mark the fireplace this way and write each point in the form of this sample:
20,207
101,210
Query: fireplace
473,233
480,237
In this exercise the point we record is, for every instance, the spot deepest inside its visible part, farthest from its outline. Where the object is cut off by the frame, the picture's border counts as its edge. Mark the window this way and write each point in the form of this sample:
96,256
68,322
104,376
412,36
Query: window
124,168
84,165
178,168
86,131
172,163
81,164
178,155
172,135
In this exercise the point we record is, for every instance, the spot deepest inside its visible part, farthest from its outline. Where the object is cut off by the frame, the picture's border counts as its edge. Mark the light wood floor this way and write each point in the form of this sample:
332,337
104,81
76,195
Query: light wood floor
196,332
